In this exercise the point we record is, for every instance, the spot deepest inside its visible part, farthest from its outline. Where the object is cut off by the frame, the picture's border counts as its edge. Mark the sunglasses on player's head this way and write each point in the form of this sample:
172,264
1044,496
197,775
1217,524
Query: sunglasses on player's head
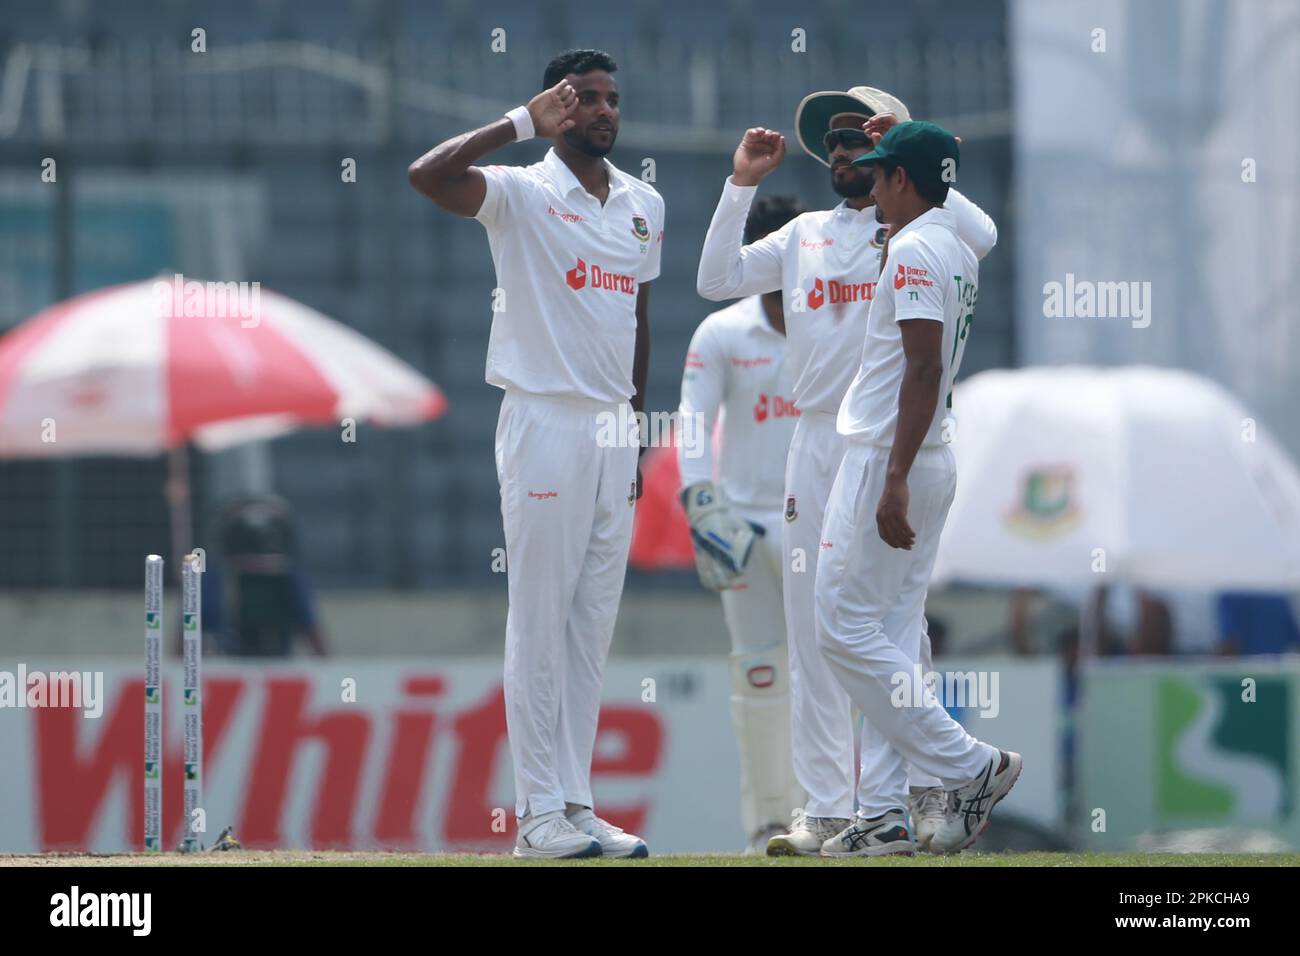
848,137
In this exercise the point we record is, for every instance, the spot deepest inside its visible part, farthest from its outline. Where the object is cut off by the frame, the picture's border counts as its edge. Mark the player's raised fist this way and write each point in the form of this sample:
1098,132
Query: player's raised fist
760,152
552,110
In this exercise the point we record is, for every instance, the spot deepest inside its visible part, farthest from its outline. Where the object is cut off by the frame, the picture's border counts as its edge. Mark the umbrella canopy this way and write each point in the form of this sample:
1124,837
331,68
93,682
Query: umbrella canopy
1161,470
140,368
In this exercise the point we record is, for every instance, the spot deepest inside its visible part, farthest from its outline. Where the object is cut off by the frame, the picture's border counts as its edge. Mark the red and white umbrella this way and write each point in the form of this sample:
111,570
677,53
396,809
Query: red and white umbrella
148,367
126,371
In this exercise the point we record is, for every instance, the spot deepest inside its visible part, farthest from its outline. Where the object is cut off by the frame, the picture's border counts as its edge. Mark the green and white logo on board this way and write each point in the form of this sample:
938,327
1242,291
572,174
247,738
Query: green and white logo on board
153,695
152,620
1221,759
191,771
150,770
191,621
191,696
1047,503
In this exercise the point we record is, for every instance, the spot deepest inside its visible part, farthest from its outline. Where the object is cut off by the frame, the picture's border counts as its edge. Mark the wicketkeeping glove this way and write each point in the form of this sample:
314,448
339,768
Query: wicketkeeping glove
722,541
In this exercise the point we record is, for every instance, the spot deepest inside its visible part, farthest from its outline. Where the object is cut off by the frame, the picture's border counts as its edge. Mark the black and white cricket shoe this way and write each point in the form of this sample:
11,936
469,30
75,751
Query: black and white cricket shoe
972,804
881,835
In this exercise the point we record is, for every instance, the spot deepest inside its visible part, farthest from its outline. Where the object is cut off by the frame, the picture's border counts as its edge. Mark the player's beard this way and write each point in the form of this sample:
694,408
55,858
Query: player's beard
855,188
587,147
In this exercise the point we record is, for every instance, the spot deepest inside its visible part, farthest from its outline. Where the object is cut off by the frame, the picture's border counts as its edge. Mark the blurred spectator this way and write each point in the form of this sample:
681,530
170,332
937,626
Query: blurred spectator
1154,633
938,633
1257,622
1050,612
256,599
1018,631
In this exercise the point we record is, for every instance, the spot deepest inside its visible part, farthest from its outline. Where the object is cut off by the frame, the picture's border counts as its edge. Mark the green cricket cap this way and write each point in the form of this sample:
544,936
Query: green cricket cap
925,150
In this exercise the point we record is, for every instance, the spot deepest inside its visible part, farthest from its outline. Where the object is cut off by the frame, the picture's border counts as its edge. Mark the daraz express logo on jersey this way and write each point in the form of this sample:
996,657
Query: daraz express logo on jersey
581,276
837,293
911,275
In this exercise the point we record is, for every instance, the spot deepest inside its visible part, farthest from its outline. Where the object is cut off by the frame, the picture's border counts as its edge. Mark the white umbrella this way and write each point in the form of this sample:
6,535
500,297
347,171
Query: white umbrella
1159,474
144,368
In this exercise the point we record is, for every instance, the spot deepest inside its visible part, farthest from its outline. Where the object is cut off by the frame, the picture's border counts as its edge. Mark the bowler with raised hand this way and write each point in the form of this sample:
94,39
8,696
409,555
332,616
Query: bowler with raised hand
575,243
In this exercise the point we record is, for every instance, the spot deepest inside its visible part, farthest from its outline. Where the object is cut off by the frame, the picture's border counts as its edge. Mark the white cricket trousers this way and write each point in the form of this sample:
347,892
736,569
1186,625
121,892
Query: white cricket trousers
871,601
821,709
567,506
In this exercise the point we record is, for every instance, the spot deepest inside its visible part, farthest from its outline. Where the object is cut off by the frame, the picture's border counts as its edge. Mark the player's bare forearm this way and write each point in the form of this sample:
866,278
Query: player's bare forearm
641,366
446,173
641,357
918,395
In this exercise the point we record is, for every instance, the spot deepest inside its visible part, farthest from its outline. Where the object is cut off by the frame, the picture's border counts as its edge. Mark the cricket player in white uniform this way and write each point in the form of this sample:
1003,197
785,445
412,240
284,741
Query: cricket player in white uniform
891,497
826,263
736,370
575,243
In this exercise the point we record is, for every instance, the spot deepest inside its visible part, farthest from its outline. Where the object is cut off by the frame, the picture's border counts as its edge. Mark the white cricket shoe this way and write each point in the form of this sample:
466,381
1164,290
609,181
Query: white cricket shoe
880,835
806,835
973,804
613,841
758,843
929,809
551,837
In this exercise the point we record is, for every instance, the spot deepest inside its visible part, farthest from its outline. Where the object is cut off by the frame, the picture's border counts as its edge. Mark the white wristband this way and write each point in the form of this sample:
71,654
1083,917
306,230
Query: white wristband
523,121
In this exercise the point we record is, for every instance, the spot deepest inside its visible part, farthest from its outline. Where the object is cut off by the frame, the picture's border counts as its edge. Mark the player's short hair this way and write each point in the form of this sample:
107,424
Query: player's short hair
578,62
935,191
770,214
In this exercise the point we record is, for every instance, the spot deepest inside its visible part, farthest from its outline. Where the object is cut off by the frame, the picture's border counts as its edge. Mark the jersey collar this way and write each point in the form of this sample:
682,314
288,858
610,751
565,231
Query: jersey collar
938,215
758,324
562,176
843,210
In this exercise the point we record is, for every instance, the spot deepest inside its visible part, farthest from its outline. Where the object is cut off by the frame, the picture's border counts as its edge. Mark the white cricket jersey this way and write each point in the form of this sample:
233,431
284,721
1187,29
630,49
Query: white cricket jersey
736,365
932,275
570,270
826,263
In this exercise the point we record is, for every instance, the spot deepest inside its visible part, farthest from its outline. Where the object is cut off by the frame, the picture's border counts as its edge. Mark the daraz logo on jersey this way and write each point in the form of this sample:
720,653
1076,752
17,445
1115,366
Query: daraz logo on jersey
579,276
837,293
775,406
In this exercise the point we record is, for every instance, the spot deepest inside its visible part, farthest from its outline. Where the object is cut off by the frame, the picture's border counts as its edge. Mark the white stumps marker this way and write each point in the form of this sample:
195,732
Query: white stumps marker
153,708
192,622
